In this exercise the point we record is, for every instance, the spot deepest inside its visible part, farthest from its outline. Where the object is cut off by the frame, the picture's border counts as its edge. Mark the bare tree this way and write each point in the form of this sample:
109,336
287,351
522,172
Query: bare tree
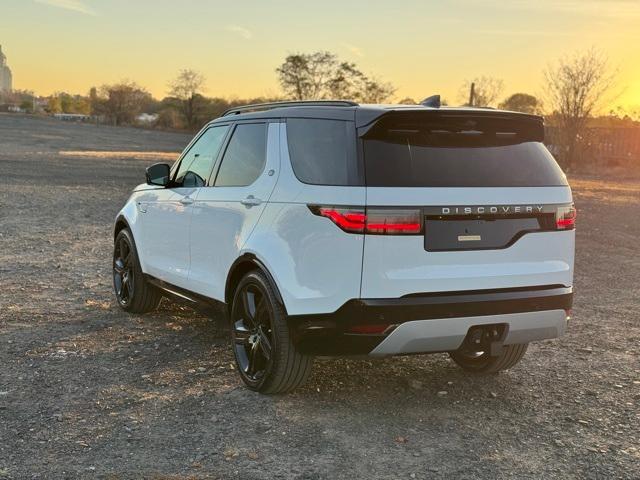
522,102
304,76
407,101
374,91
321,75
186,89
486,90
123,101
576,86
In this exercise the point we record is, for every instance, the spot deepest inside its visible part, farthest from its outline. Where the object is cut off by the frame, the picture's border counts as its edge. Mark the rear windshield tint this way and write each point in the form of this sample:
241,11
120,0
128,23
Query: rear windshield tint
460,152
323,152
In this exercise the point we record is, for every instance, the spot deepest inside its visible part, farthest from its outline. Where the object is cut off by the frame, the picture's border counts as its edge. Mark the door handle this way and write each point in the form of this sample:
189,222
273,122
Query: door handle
186,200
251,201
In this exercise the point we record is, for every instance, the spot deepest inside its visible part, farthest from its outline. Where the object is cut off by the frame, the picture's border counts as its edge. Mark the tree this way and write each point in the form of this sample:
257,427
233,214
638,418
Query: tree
373,91
522,102
576,86
27,105
321,75
54,105
186,88
123,102
486,91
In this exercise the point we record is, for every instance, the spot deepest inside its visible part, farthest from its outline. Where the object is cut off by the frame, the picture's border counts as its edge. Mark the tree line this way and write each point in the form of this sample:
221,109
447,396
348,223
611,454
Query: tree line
575,89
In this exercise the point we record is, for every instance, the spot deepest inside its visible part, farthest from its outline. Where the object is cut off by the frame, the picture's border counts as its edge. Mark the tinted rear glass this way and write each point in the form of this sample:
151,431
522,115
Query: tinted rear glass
458,152
323,152
245,157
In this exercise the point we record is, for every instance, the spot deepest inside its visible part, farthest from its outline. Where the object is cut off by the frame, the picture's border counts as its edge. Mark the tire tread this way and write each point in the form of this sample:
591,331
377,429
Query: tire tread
146,297
290,369
510,356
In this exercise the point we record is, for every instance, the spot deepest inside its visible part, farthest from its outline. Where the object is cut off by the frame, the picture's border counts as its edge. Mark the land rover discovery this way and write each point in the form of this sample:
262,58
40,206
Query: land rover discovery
333,228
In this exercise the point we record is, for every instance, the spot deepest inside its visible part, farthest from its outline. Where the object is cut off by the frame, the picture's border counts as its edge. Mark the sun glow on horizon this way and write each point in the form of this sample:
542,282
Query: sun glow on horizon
72,45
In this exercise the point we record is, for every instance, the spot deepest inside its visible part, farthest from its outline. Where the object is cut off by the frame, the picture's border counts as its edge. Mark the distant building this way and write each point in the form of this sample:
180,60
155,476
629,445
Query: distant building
147,118
77,117
6,79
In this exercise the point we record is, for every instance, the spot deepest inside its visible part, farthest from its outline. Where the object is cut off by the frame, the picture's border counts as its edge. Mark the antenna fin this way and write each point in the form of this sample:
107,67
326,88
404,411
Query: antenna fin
432,101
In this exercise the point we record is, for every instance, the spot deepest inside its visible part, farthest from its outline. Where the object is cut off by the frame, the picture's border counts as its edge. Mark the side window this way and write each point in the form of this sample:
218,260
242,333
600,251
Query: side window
323,152
196,165
245,156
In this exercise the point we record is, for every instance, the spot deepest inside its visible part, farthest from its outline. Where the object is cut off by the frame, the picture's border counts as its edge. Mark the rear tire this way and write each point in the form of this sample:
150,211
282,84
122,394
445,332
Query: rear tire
133,292
266,358
483,363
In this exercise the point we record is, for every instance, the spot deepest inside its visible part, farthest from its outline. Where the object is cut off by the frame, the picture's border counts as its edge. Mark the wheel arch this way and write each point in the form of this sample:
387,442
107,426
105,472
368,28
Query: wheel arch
239,268
121,224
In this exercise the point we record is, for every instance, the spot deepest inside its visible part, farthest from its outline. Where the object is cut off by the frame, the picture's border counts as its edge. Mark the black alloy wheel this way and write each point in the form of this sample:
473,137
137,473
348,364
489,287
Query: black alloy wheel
133,291
252,332
266,357
123,274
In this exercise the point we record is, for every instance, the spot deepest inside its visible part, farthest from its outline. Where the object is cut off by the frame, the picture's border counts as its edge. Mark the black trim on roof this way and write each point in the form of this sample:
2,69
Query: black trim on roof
364,115
293,103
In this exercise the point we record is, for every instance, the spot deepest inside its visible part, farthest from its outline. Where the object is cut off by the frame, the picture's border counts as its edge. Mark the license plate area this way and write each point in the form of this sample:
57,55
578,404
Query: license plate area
453,234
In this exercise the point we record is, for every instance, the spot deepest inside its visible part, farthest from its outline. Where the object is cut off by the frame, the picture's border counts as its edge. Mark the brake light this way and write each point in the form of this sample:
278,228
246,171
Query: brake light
566,218
348,219
376,221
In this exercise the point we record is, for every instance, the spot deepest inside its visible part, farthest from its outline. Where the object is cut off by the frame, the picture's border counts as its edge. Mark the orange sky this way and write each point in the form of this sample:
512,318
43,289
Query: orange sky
422,47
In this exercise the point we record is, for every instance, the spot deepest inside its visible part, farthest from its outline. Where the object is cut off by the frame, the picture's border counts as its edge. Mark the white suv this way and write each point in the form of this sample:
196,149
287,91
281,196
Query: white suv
332,228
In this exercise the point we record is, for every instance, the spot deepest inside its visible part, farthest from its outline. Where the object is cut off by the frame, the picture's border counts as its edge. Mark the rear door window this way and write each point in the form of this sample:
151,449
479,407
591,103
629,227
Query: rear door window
323,152
458,152
245,156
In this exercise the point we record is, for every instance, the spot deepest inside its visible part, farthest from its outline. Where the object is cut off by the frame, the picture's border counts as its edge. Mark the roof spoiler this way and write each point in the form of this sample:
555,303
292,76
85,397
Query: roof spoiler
492,122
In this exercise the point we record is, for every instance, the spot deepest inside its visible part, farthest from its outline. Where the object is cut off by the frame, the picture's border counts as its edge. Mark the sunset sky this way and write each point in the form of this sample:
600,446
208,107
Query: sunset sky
422,47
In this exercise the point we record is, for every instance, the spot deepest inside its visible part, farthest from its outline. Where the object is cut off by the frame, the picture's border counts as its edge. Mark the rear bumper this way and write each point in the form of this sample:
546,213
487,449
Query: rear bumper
445,335
433,322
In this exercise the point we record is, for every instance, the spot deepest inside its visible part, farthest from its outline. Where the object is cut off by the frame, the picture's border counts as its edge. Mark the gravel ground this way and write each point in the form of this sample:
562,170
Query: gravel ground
87,391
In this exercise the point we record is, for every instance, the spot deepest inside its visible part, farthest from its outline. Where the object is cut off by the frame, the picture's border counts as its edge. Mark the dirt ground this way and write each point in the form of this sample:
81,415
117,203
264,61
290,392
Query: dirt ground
87,391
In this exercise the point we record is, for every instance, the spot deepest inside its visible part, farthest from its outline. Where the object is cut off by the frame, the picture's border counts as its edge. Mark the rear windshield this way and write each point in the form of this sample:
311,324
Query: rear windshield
459,152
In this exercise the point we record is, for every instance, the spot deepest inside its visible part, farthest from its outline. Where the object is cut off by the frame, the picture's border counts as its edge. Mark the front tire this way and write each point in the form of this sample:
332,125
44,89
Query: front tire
266,358
483,363
133,292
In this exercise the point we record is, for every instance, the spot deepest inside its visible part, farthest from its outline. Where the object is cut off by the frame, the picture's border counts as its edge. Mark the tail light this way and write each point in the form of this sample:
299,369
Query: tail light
348,219
376,221
566,218
386,221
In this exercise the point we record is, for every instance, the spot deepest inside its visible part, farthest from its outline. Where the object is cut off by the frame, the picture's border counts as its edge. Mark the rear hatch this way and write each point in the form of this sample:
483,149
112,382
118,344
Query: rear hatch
463,200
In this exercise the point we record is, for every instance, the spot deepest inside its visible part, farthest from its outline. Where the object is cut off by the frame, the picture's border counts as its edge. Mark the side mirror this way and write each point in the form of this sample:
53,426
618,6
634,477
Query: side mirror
158,174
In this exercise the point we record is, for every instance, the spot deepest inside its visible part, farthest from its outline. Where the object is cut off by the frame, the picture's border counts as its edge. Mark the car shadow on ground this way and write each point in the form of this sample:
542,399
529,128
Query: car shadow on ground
177,352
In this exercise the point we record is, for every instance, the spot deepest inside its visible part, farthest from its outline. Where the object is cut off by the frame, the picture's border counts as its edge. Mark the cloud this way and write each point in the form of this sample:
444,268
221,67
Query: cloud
357,51
521,33
597,8
73,5
243,32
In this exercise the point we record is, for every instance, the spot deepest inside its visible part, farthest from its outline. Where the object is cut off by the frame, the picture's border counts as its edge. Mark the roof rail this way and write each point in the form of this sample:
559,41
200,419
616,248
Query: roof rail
257,107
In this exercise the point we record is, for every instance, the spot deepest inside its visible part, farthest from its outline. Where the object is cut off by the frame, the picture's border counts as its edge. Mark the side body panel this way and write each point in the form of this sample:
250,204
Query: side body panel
163,234
131,215
317,266
222,223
